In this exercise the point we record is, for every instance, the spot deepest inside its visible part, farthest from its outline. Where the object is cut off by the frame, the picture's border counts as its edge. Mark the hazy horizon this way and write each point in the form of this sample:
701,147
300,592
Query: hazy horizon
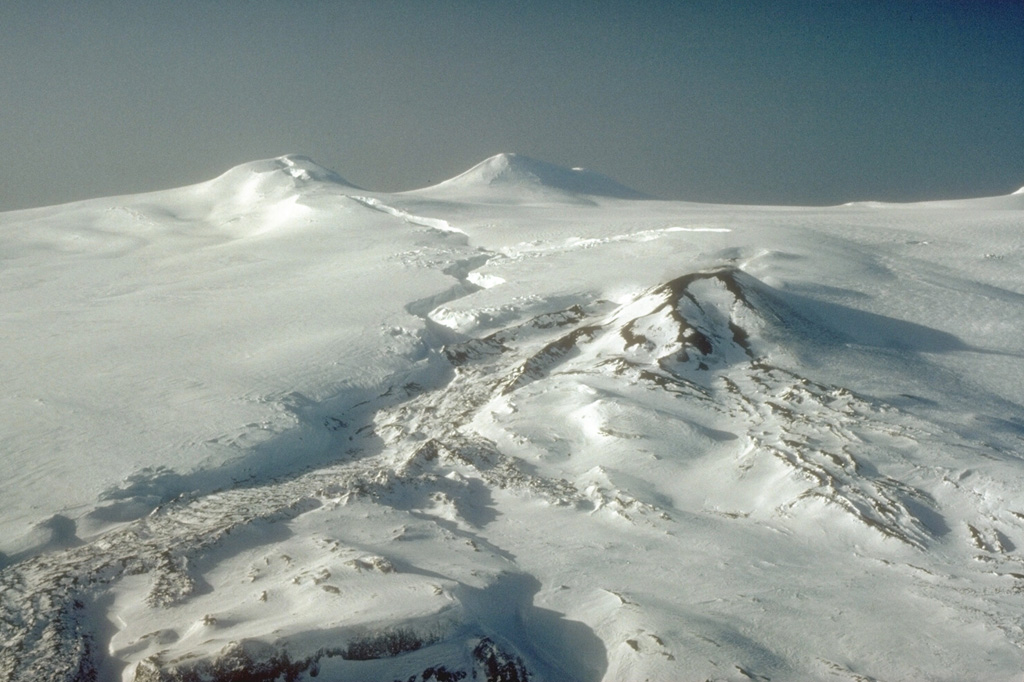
786,103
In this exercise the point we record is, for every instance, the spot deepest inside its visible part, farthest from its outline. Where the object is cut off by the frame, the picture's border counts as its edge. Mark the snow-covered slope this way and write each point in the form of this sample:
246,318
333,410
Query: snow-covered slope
514,426
514,178
1010,202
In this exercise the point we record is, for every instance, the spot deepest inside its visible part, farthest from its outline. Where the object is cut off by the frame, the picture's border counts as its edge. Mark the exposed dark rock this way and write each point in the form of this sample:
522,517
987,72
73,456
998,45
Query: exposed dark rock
239,662
495,665
387,644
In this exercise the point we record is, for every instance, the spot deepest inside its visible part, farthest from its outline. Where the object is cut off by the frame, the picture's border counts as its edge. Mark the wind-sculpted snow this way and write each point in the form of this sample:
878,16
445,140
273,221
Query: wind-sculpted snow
609,441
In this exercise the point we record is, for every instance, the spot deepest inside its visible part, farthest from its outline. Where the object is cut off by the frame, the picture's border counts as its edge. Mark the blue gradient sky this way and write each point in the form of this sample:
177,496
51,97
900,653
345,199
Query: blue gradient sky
775,102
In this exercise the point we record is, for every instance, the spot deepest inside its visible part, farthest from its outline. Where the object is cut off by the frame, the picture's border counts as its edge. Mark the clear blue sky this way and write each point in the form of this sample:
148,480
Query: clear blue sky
730,101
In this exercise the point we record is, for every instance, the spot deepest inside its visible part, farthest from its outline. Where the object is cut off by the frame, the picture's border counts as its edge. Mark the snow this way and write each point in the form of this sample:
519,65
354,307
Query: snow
524,417
515,177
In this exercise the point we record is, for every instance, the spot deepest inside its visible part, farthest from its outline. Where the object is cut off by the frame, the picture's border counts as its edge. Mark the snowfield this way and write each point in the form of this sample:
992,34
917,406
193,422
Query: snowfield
524,424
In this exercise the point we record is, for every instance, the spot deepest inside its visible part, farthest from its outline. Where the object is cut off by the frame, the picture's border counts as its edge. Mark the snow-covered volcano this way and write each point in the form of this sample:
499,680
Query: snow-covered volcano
518,425
514,178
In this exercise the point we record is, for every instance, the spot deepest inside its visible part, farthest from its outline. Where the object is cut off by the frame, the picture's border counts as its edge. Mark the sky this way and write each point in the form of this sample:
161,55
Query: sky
778,102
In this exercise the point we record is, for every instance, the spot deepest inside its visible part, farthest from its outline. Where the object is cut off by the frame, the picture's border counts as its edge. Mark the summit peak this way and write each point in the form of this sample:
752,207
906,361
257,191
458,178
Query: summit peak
507,175
296,166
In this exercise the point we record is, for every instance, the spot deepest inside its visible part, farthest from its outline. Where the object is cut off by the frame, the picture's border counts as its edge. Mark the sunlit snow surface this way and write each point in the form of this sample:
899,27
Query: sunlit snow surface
522,422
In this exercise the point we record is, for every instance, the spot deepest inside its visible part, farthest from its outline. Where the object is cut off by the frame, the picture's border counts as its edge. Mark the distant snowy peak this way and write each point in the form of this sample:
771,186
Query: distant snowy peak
294,167
511,175
270,192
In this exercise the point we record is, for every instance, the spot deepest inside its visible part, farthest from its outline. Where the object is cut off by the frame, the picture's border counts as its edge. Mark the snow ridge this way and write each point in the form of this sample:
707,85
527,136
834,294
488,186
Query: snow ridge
296,166
432,223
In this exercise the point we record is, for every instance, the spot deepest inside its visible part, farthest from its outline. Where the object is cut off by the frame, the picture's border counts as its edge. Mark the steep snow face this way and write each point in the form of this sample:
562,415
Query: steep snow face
273,427
514,177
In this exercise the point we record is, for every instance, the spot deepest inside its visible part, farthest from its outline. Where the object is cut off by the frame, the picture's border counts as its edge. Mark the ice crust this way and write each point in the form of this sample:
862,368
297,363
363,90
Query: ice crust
523,423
